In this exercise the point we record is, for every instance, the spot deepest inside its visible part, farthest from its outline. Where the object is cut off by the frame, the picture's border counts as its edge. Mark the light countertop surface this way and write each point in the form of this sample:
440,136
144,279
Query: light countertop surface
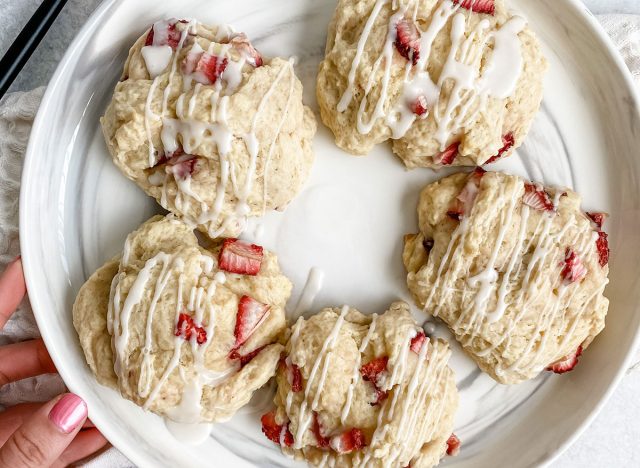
613,438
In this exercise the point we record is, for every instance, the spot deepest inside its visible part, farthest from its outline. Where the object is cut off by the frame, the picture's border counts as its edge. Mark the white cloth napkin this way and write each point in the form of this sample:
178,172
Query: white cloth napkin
17,112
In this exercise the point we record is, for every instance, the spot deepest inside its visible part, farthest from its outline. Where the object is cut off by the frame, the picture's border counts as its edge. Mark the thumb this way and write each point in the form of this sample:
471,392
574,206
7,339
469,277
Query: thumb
44,436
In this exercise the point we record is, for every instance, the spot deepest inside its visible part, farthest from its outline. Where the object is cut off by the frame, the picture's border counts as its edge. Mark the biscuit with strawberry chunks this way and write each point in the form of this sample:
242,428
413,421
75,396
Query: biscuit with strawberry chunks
395,71
164,322
516,270
207,126
358,390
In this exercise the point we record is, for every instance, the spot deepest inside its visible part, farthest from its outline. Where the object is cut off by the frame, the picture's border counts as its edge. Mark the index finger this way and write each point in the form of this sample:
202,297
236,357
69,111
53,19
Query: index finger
12,290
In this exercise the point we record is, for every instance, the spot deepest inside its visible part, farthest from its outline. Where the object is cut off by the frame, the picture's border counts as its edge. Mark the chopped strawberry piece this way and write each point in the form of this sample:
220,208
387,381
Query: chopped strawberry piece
317,431
209,68
183,167
186,328
164,33
251,314
419,106
537,198
447,157
602,244
408,40
348,441
507,143
478,6
240,257
245,358
453,445
573,269
381,395
275,432
417,342
567,363
242,44
371,373
598,218
464,202
372,370
295,378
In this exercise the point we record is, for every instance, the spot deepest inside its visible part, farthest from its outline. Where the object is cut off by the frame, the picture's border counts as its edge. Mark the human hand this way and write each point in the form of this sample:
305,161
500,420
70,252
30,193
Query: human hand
53,434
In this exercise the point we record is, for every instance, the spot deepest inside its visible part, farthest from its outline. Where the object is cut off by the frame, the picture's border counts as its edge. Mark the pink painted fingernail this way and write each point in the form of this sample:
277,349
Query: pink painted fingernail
68,413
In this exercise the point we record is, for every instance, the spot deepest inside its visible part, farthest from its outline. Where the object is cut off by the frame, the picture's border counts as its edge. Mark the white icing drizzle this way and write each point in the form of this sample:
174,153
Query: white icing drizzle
304,417
473,84
311,289
355,375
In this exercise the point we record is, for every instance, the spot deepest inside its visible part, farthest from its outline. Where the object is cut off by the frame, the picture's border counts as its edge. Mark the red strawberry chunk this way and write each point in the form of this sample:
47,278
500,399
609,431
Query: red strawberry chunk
408,40
183,167
464,202
602,244
278,433
507,143
164,33
417,342
573,269
372,370
371,373
478,6
598,218
295,378
419,106
242,44
186,328
251,314
447,157
453,445
209,68
348,441
245,358
317,431
567,363
537,198
240,257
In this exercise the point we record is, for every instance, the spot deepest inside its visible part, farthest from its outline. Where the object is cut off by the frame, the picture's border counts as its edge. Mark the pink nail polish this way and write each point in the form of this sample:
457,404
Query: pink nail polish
68,413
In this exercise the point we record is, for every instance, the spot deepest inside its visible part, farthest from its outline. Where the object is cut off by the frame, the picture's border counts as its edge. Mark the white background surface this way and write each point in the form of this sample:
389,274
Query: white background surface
612,440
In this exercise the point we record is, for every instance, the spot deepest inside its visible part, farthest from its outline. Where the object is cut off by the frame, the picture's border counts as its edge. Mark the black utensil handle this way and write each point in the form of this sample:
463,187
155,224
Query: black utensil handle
27,41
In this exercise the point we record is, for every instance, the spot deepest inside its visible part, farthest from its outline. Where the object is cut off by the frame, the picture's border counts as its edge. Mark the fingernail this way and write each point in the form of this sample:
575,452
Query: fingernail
68,413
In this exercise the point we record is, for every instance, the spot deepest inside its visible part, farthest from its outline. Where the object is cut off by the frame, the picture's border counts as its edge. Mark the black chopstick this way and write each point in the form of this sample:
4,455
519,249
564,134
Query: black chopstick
27,41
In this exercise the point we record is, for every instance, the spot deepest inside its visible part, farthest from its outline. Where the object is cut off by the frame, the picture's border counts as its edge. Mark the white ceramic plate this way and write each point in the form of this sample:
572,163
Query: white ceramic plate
76,210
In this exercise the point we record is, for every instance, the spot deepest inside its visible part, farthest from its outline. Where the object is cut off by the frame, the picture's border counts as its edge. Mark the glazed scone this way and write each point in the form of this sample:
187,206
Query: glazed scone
206,126
450,83
182,331
358,390
516,270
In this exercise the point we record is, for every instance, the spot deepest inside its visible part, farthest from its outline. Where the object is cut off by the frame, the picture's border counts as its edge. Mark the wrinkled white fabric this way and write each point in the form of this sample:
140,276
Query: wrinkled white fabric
17,112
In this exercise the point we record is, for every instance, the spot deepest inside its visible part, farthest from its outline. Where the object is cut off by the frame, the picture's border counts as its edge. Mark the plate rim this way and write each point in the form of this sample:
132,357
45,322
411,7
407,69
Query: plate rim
118,440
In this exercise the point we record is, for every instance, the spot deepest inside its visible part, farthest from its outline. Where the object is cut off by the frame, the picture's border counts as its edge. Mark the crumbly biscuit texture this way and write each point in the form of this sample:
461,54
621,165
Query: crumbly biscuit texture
358,390
515,269
175,330
448,83
208,127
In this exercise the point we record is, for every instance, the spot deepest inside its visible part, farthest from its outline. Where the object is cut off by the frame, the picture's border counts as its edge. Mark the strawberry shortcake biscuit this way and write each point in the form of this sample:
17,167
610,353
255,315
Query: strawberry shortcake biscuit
515,269
183,331
207,126
358,390
451,82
